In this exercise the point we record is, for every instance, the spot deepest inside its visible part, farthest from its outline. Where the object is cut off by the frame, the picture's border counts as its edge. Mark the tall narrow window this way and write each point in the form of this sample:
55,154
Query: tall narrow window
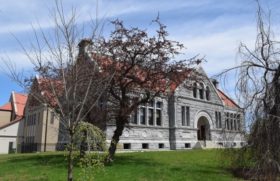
207,93
201,91
52,117
185,115
143,115
234,123
158,113
188,116
158,117
238,122
231,121
227,124
227,120
217,119
151,116
194,90
220,120
133,117
151,108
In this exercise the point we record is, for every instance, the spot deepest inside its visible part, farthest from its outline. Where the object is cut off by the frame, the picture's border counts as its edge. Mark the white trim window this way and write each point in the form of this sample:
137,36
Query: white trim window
207,92
158,113
150,108
148,114
142,115
218,117
195,90
201,91
233,121
185,111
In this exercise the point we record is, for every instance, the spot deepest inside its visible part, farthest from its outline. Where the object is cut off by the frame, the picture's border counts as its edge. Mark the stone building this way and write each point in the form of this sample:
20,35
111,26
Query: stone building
200,117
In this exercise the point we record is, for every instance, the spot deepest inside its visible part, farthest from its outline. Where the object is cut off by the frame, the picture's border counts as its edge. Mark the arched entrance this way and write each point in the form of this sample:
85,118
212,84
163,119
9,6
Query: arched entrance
203,129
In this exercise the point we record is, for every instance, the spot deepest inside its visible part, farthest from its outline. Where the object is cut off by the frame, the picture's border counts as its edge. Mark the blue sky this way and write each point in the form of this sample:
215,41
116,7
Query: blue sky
211,28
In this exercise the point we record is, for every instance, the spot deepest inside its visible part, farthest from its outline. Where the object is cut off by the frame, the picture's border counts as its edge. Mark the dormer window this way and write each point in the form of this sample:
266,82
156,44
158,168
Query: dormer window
207,93
194,90
201,91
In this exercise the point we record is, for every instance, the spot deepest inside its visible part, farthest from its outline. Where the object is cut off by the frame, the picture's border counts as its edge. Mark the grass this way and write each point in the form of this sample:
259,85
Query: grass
138,166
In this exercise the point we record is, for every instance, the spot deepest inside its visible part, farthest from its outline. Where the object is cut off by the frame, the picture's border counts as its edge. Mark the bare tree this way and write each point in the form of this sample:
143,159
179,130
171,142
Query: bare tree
144,69
259,88
69,79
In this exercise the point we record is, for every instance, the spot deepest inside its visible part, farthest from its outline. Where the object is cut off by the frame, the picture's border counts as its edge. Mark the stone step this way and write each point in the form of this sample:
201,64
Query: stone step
206,144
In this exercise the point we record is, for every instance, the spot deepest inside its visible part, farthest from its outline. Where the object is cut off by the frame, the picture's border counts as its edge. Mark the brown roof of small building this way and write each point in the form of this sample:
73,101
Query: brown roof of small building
16,104
226,100
19,101
6,107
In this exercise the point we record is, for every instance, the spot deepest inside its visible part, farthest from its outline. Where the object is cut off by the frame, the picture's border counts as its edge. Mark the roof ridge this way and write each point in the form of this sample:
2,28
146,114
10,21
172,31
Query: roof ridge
230,99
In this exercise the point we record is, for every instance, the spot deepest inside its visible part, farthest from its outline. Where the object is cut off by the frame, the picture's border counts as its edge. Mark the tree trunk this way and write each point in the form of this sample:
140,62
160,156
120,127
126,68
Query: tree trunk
115,139
70,159
84,144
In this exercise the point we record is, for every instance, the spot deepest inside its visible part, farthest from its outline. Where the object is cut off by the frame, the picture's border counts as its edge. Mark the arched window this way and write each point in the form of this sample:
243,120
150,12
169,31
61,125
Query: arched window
195,90
207,93
201,91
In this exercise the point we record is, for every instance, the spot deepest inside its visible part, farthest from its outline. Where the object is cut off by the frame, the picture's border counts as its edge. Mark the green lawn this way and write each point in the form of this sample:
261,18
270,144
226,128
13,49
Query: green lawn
168,165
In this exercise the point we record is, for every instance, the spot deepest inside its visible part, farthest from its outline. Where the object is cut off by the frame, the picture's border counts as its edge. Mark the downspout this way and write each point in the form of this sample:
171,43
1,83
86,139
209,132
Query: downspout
46,130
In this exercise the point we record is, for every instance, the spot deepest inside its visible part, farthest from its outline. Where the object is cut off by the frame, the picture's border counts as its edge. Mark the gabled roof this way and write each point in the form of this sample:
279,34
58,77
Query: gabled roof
226,100
161,82
17,105
46,87
19,101
6,107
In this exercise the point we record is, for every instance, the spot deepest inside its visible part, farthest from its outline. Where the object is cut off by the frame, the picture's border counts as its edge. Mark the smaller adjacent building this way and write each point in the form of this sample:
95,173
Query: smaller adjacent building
41,129
11,114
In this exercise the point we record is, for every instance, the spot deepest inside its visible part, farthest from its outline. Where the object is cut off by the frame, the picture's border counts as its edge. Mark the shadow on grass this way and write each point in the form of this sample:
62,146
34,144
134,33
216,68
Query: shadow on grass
132,161
143,166
55,160
181,169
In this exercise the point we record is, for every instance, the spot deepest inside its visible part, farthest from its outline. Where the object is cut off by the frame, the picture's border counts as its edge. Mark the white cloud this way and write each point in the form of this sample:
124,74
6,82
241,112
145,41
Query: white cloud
16,18
17,59
220,48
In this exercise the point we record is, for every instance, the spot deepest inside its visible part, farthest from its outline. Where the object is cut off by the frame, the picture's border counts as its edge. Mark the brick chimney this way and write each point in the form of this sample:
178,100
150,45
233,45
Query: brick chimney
215,83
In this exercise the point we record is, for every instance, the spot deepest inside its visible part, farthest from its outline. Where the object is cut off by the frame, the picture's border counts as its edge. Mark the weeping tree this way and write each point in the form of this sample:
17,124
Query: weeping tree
93,140
68,79
259,88
144,68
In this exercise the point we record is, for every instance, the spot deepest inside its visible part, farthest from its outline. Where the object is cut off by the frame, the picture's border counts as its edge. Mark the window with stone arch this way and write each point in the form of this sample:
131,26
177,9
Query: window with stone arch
207,93
194,90
201,91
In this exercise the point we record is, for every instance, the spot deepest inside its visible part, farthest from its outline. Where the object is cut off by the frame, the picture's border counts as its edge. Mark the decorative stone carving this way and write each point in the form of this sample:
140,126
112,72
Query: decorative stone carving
126,133
144,134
